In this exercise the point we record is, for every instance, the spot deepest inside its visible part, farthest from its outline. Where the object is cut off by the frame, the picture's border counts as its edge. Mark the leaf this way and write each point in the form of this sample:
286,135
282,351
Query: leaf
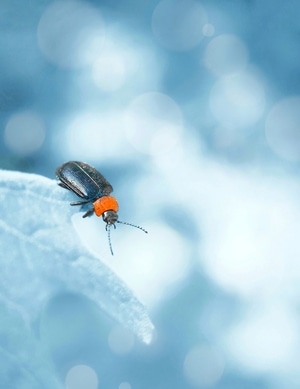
41,255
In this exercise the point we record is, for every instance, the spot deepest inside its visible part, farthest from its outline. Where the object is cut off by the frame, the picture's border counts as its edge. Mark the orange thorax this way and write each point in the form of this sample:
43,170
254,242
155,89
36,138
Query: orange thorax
105,203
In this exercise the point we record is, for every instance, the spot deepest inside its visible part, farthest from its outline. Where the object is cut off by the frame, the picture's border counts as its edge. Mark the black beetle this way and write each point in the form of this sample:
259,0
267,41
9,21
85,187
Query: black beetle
90,185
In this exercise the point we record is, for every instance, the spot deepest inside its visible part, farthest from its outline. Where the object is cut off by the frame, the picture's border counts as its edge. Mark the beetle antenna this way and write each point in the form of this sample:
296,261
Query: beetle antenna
132,225
107,227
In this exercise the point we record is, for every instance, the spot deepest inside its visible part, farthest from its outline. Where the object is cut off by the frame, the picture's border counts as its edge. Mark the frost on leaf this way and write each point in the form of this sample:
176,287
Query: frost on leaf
41,255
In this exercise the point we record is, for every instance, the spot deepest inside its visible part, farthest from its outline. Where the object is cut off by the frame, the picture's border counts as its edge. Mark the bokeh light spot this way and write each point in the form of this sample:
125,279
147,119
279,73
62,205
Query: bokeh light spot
153,123
238,100
208,30
264,340
124,385
155,262
203,366
120,61
109,71
93,136
120,340
239,250
81,377
178,24
70,33
282,128
24,133
225,54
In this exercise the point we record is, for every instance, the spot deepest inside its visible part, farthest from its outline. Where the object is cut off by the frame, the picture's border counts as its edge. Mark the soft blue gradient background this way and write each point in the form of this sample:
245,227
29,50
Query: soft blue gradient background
192,111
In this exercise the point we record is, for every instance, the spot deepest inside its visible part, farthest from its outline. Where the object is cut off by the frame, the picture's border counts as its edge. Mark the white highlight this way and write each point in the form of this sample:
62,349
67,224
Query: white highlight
265,340
203,366
250,243
94,136
153,123
283,128
70,33
154,262
109,71
124,385
225,54
238,100
24,133
81,377
208,29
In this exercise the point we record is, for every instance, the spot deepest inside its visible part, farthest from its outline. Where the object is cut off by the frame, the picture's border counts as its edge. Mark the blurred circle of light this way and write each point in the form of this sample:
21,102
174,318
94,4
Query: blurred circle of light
208,29
120,340
24,133
265,341
153,123
177,24
119,63
81,377
238,250
70,33
109,71
159,259
282,128
203,366
124,385
238,100
225,54
95,136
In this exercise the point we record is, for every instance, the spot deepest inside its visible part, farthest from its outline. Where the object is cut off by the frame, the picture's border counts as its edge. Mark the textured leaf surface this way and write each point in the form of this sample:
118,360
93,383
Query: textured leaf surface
41,255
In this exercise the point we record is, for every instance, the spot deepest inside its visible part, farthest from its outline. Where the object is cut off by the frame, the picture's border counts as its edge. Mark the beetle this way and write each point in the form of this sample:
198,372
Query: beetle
93,188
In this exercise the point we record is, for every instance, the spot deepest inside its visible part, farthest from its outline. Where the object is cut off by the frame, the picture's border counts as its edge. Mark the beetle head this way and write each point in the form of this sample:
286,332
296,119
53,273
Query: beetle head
110,217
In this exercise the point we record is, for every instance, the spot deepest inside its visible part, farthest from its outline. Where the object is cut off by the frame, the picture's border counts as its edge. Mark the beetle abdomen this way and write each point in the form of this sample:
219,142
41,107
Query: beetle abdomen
84,180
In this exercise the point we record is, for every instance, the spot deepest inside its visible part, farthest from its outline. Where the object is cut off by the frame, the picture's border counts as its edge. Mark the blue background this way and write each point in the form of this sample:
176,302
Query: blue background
192,111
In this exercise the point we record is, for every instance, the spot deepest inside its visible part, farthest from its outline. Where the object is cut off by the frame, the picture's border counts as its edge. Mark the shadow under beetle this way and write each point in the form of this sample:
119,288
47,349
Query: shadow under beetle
90,185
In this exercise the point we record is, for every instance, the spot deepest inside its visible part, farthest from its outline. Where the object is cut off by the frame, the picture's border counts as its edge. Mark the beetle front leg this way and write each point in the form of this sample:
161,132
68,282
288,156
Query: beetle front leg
63,185
88,213
82,202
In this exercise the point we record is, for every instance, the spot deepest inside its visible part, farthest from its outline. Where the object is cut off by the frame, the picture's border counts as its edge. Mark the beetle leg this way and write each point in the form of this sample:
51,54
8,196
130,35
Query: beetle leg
89,212
63,185
79,202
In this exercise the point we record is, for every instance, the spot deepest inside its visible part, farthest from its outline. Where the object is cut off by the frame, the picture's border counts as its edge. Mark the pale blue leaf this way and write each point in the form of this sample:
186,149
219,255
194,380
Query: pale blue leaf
41,255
